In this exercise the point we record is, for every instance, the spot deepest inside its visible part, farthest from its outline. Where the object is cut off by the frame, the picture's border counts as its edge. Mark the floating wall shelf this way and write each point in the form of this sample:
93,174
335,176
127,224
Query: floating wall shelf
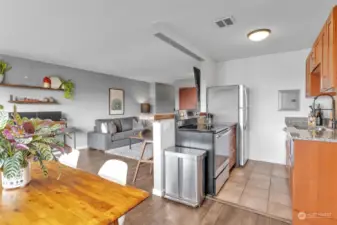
29,87
36,103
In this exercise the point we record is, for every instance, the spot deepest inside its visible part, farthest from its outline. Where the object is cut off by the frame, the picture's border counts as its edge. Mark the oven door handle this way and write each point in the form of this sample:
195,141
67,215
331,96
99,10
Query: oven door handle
222,134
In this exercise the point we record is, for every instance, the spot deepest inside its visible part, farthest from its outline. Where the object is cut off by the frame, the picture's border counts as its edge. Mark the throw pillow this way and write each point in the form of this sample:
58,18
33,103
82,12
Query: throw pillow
126,124
104,127
112,129
118,124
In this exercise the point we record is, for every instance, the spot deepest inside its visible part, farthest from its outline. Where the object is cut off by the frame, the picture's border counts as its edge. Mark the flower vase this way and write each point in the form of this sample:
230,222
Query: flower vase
22,178
2,77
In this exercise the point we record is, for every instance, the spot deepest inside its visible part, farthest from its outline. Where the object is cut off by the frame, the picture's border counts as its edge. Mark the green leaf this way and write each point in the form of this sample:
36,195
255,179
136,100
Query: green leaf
3,119
16,116
55,127
44,131
45,151
52,140
11,167
43,167
1,162
19,156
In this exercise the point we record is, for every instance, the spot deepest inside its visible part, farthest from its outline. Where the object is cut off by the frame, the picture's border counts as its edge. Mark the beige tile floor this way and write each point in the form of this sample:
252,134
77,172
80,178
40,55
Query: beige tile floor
260,186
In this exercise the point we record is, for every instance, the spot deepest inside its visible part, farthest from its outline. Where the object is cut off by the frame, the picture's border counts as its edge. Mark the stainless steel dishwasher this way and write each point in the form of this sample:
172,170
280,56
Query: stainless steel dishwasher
185,175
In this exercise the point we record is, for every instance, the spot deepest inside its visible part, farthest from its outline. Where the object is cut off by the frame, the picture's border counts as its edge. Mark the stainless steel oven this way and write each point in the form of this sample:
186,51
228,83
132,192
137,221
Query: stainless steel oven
215,140
221,160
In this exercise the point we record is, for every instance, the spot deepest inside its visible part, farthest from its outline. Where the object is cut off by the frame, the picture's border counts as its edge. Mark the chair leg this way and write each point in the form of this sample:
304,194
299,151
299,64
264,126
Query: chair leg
139,161
151,167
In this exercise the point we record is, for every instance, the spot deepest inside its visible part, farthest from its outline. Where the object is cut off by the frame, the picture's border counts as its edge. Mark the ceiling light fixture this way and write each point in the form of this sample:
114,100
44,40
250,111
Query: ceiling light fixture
258,35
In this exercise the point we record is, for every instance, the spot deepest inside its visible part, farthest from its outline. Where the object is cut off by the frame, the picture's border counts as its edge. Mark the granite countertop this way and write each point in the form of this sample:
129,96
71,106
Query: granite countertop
328,135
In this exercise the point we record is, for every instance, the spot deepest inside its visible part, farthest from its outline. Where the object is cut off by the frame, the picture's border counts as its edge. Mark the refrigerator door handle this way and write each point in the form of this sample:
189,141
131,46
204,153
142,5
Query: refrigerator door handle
246,107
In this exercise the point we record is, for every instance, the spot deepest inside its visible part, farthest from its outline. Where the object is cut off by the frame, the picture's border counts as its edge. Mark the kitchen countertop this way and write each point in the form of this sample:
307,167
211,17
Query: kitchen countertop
327,135
204,128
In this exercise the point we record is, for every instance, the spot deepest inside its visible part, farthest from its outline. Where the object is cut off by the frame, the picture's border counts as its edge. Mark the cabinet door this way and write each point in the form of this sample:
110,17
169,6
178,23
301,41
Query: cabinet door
318,50
307,76
312,62
325,78
330,52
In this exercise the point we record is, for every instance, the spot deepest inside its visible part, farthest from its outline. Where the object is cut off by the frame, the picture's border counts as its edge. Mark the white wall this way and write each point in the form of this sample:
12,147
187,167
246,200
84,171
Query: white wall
181,83
264,76
208,70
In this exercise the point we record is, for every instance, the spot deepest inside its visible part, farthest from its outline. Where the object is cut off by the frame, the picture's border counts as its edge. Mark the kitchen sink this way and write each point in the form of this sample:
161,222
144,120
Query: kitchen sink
300,127
317,129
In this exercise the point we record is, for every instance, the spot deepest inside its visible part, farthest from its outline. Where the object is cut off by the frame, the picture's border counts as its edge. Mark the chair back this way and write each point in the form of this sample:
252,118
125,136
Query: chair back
114,170
70,159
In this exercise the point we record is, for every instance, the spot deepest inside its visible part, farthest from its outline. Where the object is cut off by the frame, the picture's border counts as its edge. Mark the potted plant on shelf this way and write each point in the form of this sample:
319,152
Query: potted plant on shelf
22,141
4,67
68,86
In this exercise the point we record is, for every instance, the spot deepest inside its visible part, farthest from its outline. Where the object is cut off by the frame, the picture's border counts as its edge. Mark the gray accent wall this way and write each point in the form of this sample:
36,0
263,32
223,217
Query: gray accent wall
91,93
162,98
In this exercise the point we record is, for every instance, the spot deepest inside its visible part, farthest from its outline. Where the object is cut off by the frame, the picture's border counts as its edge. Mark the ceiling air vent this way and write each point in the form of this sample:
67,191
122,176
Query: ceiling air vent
225,22
178,46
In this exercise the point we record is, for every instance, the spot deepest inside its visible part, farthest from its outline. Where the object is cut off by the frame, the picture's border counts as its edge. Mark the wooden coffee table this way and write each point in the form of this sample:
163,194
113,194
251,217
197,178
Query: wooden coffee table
136,138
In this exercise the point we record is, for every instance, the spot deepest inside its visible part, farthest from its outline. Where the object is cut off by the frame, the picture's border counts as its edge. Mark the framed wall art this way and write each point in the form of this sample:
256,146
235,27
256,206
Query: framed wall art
116,101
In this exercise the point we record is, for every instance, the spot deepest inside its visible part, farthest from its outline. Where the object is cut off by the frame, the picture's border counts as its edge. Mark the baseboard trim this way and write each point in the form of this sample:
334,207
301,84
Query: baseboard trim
81,147
158,192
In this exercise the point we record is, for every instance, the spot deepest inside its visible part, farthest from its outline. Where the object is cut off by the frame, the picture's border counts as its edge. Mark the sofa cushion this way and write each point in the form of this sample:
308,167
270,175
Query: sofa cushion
137,124
124,135
127,124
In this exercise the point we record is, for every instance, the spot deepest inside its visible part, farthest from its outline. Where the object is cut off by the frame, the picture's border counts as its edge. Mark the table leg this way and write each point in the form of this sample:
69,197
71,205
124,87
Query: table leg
130,142
114,222
74,140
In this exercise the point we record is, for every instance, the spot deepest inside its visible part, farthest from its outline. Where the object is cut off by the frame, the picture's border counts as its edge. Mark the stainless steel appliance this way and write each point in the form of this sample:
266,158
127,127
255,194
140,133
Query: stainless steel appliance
215,140
185,175
231,104
185,117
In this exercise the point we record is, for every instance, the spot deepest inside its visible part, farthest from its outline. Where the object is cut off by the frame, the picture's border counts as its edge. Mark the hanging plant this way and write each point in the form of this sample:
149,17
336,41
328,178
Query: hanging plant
68,86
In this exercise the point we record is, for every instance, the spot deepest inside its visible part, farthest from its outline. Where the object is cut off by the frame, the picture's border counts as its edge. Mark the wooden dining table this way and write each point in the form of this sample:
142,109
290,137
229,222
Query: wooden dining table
67,197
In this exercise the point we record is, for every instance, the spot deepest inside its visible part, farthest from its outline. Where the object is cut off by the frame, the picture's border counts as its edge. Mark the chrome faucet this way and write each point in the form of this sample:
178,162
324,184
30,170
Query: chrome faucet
333,107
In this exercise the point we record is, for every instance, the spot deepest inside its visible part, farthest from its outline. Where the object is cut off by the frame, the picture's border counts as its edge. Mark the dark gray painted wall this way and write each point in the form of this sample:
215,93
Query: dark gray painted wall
164,98
91,93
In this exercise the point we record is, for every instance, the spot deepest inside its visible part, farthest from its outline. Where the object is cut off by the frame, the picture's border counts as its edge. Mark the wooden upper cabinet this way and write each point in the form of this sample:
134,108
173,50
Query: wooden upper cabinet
313,81
325,79
318,50
188,98
322,60
332,46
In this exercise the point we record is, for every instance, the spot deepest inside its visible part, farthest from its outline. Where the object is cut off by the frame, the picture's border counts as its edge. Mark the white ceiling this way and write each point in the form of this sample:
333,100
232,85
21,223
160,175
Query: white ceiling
116,37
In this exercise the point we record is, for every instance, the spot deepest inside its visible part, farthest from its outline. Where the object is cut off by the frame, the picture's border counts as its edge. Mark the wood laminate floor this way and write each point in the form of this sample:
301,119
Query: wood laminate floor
159,211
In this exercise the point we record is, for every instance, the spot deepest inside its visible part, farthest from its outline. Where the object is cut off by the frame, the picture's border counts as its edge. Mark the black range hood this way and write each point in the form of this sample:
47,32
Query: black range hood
197,84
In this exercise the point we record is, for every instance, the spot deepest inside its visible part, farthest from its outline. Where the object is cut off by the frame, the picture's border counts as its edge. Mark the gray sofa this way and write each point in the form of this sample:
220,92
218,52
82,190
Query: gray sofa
113,133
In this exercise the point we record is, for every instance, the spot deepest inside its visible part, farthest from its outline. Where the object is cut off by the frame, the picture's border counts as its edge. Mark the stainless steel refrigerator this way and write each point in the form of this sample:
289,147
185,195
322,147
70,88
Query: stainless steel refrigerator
230,104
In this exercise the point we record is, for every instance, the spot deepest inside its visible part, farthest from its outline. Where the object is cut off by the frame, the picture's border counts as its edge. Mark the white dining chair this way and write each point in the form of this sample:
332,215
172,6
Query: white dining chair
70,159
116,171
